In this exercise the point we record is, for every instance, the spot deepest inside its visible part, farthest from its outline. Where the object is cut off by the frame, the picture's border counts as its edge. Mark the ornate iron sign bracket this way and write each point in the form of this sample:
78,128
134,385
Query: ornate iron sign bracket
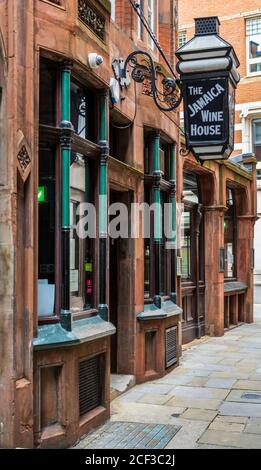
166,93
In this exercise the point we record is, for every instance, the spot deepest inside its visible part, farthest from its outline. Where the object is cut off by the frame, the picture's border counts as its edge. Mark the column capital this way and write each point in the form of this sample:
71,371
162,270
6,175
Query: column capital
173,187
67,65
155,134
103,92
105,152
67,134
157,178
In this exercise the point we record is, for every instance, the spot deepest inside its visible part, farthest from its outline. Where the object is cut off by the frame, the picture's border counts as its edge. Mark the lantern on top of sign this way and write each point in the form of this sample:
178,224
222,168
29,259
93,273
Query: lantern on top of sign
208,71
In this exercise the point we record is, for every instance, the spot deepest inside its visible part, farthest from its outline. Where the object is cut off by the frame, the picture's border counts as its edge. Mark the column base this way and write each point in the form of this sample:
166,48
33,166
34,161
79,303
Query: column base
158,301
66,320
103,311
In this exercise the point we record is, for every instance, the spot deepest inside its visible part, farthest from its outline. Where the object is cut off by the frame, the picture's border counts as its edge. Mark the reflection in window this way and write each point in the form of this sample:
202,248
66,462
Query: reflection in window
81,249
190,187
46,259
151,20
140,3
257,138
81,108
147,269
113,10
48,81
186,245
182,38
253,31
230,234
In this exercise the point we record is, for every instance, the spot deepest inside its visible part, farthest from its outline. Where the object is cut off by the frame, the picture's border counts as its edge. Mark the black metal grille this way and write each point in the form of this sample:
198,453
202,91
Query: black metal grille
208,25
171,346
91,382
91,18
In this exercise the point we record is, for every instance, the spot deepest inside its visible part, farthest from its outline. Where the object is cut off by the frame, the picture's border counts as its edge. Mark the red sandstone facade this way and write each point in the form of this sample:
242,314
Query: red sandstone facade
45,370
55,385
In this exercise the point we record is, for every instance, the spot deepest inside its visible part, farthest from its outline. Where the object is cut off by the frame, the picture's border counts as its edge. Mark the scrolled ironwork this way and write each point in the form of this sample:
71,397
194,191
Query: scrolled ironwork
166,92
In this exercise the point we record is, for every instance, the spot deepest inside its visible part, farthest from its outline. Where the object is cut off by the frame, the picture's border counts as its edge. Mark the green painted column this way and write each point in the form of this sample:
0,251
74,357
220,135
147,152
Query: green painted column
157,175
66,140
103,206
173,223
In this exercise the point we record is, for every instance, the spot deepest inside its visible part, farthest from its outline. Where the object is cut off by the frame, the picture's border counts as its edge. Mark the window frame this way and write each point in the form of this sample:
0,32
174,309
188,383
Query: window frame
233,217
165,188
250,61
91,151
151,17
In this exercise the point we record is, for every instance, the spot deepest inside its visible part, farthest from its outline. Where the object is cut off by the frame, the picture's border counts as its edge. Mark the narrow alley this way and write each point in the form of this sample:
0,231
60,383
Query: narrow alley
213,400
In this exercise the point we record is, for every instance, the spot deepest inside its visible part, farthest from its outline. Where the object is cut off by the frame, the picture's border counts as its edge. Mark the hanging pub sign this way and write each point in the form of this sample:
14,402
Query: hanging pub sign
208,72
209,116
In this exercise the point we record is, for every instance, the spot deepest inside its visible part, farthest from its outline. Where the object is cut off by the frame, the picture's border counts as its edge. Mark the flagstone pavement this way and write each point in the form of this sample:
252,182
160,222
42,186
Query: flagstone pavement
213,399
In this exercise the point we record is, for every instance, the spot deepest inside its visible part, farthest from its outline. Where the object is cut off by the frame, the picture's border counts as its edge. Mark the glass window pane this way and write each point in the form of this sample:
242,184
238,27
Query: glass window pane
46,240
255,46
151,19
253,26
147,269
82,105
47,104
186,245
81,249
113,10
257,131
190,187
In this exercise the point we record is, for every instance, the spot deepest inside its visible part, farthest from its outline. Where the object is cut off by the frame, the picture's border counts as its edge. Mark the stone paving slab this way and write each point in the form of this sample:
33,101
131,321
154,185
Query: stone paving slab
244,396
201,392
154,399
248,385
232,419
254,426
199,415
227,427
231,439
240,409
195,403
216,382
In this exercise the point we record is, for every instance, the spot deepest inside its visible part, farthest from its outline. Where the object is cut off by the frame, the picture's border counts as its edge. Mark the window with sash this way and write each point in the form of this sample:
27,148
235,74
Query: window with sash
253,34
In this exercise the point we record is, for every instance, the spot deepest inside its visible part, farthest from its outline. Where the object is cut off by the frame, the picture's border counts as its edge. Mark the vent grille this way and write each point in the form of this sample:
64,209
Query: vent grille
91,382
209,25
171,346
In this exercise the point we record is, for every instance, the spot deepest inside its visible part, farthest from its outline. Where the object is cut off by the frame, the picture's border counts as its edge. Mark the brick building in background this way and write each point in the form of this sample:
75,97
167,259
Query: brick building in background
241,26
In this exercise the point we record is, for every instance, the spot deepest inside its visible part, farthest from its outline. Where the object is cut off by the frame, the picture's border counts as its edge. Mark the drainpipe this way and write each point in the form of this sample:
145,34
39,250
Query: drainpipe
103,207
157,175
173,223
66,141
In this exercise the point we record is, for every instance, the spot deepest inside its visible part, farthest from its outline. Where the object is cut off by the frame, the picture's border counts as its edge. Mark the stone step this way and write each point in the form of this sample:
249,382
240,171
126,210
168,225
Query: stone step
120,384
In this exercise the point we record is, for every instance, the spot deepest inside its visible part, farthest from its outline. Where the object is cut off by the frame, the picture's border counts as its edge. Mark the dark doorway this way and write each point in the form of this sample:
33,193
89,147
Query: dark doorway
121,288
114,275
193,275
